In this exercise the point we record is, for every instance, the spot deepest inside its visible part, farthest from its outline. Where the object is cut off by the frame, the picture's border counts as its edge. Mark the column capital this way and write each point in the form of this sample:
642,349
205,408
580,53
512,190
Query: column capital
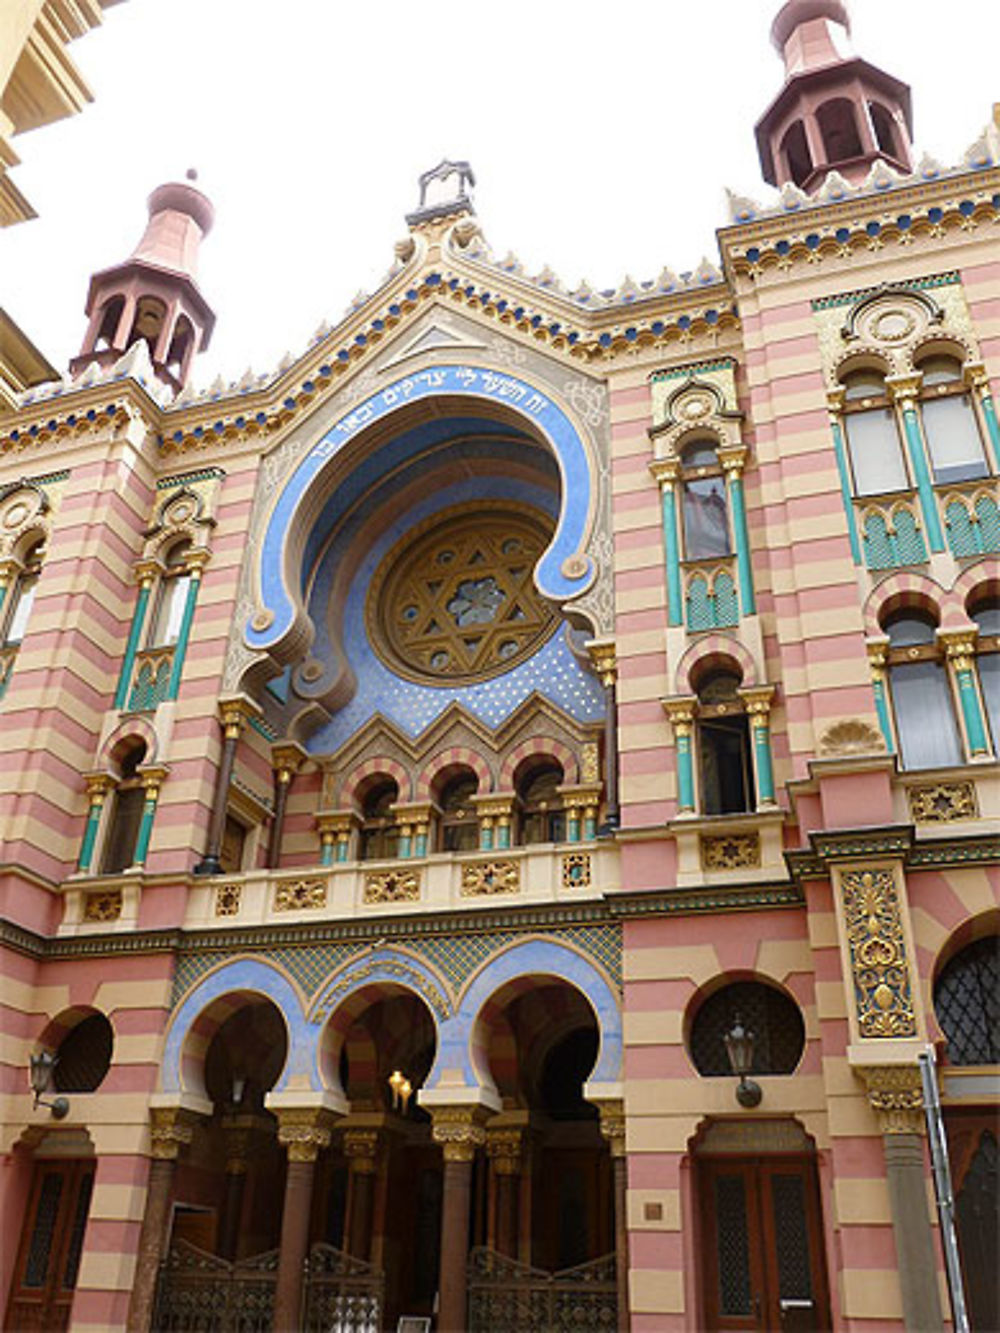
666,471
960,646
503,1147
603,656
361,1149
895,1093
459,1130
580,796
878,652
495,805
196,559
287,757
304,1131
234,713
680,711
153,777
835,399
733,458
147,572
337,821
758,700
975,376
171,1128
98,785
414,812
612,1115
904,389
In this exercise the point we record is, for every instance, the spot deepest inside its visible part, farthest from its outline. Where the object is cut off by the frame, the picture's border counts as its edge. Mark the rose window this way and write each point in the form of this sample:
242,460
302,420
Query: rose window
456,600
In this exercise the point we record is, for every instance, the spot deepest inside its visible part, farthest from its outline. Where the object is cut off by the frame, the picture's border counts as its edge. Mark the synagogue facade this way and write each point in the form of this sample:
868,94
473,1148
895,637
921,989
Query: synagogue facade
494,811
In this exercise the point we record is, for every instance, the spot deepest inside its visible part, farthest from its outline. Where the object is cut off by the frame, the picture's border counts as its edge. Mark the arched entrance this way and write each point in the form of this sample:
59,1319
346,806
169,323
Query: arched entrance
378,1197
543,1197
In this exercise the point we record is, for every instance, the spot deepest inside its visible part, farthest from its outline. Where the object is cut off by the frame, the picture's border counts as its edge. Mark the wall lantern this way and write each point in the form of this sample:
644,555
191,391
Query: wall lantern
739,1047
402,1090
42,1068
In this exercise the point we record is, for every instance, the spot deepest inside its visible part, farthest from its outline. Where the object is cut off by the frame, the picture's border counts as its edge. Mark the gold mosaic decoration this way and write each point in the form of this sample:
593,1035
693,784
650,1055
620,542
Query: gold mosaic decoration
392,886
488,877
228,898
942,802
457,600
730,851
300,894
576,870
874,927
103,906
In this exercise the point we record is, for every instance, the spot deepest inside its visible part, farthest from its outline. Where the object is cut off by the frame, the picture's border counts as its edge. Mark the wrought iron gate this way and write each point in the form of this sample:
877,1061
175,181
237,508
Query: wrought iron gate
510,1297
201,1293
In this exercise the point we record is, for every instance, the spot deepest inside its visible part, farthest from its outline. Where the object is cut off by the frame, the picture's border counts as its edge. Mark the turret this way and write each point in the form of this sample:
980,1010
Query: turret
836,111
153,295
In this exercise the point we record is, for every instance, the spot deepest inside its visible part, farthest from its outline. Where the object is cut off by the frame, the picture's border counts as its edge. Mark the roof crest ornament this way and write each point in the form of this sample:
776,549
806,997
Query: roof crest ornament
444,191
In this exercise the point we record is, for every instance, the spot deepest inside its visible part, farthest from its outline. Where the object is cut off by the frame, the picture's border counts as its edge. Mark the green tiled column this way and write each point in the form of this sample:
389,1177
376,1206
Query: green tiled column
843,473
876,661
97,789
665,471
681,715
758,706
134,634
184,633
733,460
905,390
152,780
961,647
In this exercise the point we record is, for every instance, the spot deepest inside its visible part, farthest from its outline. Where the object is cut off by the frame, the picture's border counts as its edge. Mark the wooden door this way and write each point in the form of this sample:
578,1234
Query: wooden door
762,1243
51,1244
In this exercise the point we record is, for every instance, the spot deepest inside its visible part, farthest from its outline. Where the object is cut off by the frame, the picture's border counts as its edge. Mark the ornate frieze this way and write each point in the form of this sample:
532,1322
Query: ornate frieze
942,802
304,1131
299,895
459,1130
896,1096
392,886
481,878
873,926
730,851
171,1128
228,899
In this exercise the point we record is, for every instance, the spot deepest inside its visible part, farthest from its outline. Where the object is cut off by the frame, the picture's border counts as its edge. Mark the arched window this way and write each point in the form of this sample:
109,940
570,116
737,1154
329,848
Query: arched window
986,614
180,347
379,833
872,435
110,319
703,499
967,1003
795,148
723,747
459,824
926,729
150,313
125,813
171,598
884,129
543,818
839,129
951,428
774,1020
84,1055
21,596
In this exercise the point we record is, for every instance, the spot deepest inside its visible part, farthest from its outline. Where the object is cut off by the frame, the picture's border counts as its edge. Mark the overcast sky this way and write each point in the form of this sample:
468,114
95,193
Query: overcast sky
602,136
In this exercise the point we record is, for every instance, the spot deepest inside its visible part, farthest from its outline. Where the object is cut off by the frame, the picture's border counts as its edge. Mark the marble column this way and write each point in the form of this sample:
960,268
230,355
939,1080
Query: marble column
680,712
602,654
896,1096
303,1132
286,760
460,1132
170,1130
960,646
234,714
361,1151
613,1129
503,1147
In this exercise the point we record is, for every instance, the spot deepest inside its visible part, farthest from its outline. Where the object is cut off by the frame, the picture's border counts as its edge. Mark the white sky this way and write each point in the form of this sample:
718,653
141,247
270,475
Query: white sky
601,135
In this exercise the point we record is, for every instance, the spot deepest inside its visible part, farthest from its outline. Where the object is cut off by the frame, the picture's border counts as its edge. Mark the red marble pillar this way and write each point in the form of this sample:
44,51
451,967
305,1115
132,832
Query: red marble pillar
504,1149
459,1131
171,1129
613,1129
361,1149
304,1131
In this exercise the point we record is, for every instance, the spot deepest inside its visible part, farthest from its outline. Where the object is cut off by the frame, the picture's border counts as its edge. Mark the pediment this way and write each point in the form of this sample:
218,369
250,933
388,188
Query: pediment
440,334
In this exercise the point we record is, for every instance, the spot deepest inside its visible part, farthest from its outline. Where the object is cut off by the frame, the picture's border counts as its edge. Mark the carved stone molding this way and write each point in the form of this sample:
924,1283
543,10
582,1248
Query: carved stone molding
105,905
171,1128
576,870
392,886
873,923
459,1130
896,1096
228,899
304,1131
612,1115
361,1150
299,895
480,878
503,1147
942,802
730,851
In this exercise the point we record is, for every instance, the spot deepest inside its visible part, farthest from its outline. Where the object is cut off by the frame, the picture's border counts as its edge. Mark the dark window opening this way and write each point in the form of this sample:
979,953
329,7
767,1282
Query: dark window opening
839,128
84,1055
379,834
542,816
967,1003
795,148
885,130
774,1020
459,824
